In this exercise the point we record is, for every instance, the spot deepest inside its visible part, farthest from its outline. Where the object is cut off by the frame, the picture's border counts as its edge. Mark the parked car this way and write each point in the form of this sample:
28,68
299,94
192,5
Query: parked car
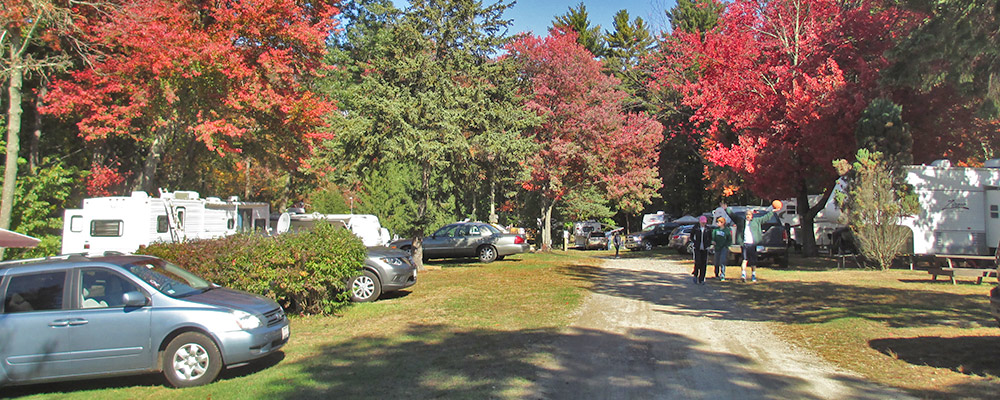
386,270
597,240
773,248
651,236
468,239
680,239
75,317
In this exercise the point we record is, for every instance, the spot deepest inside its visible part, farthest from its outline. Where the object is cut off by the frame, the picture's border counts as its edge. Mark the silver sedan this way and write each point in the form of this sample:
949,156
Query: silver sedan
468,239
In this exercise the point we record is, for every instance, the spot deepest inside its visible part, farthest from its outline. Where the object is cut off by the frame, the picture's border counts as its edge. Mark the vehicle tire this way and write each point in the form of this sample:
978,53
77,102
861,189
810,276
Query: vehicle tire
647,246
191,359
365,287
487,254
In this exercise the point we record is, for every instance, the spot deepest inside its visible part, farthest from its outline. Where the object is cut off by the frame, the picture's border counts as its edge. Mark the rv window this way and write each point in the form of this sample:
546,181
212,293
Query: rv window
106,228
35,292
231,223
76,223
994,211
161,224
180,217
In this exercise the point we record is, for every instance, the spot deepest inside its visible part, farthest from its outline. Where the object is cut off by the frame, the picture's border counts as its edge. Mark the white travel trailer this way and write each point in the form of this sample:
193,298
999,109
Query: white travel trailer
364,226
825,222
123,224
653,219
959,208
582,230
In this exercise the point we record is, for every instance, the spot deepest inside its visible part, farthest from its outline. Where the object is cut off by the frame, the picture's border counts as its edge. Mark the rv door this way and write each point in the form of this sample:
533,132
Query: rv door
992,217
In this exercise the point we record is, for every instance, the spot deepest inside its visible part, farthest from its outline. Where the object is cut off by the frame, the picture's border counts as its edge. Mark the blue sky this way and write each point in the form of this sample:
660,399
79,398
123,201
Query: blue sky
537,15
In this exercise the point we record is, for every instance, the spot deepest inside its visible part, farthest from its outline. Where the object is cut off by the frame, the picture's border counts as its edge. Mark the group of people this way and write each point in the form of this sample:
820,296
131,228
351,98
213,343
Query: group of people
746,231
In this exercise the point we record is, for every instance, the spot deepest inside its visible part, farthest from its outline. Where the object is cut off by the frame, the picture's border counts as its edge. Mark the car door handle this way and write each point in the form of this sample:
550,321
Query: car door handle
77,321
59,322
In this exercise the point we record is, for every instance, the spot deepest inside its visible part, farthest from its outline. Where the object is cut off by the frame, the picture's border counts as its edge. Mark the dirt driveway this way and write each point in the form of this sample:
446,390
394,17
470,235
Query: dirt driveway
647,332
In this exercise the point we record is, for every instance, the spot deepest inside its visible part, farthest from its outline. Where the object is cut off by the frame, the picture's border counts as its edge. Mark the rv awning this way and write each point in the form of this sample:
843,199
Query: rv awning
687,219
14,239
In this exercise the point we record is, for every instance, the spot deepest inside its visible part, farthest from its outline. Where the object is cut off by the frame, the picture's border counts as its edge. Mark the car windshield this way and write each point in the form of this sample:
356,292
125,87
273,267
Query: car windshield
650,228
168,278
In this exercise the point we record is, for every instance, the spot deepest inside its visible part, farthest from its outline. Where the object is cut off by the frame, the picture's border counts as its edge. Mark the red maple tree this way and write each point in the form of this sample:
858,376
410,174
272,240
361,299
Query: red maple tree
586,139
791,77
230,74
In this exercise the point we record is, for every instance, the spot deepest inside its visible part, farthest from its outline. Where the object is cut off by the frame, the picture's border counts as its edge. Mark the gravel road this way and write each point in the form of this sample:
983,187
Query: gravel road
647,332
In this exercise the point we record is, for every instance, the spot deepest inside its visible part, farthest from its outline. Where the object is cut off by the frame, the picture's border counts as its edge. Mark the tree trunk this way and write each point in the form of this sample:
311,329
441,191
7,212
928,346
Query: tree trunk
421,225
807,218
547,206
36,136
493,201
147,177
13,144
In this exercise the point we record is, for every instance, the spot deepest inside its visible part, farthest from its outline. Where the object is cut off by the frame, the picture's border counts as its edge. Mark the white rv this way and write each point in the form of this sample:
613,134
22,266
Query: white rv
364,226
582,230
959,208
653,219
123,224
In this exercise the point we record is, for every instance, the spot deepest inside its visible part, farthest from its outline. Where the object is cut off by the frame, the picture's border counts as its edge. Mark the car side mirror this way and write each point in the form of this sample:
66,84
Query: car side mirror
134,299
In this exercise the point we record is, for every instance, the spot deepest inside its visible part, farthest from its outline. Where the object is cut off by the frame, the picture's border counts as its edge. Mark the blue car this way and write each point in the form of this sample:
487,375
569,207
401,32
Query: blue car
75,317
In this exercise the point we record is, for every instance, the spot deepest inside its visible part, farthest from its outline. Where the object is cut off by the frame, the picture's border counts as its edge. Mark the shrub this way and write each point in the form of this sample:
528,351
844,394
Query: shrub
876,201
305,272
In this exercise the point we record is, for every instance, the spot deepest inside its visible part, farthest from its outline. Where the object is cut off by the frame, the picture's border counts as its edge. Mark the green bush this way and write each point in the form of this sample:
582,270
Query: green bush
305,272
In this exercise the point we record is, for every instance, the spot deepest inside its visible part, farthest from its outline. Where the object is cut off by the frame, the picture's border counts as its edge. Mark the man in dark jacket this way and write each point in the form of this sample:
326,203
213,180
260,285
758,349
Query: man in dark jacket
749,234
701,238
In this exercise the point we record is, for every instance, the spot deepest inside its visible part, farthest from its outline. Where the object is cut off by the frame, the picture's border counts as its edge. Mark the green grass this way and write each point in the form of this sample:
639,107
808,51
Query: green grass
897,327
466,330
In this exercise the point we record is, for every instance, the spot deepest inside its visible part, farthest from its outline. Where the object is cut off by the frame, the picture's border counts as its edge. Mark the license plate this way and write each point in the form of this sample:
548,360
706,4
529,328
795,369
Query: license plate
285,331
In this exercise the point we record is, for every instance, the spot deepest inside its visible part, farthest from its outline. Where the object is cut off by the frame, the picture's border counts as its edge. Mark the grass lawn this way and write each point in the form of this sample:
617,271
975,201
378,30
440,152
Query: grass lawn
465,330
933,339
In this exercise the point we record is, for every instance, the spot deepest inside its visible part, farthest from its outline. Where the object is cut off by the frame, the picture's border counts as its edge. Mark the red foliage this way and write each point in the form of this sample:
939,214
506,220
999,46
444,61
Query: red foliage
105,181
790,76
230,73
586,139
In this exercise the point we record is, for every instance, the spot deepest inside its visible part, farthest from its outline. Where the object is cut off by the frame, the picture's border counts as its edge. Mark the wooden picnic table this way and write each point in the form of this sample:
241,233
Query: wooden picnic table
966,265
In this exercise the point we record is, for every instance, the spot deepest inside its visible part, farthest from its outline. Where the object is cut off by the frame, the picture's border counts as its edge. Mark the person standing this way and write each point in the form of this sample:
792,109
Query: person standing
701,238
722,237
748,234
617,239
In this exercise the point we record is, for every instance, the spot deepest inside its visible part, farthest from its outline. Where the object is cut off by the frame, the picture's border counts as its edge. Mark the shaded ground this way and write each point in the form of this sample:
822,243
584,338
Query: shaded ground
648,332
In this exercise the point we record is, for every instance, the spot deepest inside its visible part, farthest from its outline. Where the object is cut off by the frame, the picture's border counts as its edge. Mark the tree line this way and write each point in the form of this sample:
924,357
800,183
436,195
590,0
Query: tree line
437,112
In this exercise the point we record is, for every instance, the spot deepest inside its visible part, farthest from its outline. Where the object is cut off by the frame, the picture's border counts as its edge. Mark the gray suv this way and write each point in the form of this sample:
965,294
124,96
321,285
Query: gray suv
74,317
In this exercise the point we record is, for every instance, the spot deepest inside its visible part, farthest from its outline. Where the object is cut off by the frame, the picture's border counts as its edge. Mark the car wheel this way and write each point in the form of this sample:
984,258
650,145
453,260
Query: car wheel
647,246
365,288
191,359
487,254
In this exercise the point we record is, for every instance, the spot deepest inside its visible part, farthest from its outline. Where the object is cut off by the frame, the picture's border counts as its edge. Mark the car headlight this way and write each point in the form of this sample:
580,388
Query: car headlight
394,261
247,321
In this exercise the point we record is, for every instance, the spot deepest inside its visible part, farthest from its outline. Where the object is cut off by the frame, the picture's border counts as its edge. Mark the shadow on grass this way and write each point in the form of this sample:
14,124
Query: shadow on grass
147,380
970,355
469,262
436,361
790,302
819,302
